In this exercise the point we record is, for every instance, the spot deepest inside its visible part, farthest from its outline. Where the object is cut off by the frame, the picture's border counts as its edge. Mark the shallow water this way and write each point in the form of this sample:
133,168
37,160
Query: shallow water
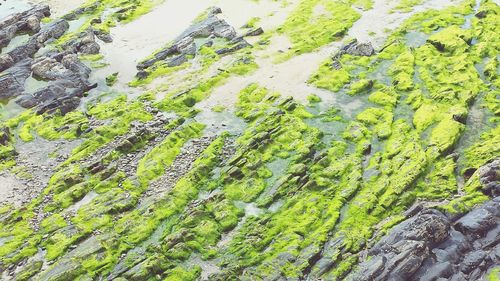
9,7
218,122
60,7
163,25
16,42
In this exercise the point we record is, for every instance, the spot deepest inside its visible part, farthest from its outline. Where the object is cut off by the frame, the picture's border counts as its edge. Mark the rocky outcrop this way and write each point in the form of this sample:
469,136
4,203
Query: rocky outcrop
67,76
353,48
489,176
430,246
184,45
25,22
53,30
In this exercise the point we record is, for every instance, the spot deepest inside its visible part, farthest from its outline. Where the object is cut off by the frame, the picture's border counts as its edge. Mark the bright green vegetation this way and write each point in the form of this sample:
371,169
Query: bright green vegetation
407,5
123,11
315,23
299,194
152,165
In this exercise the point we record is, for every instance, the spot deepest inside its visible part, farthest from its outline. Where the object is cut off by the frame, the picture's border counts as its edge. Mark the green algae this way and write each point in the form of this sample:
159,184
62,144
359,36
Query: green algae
315,23
332,193
152,165
407,5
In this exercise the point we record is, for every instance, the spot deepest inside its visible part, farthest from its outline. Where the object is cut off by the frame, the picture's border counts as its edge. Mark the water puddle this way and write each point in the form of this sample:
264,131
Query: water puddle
16,42
218,122
380,72
276,206
9,7
278,167
468,19
9,109
33,84
75,25
416,39
251,209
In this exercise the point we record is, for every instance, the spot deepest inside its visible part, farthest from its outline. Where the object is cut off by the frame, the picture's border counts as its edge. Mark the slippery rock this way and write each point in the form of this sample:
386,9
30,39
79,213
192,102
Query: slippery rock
184,45
430,246
489,176
4,135
355,49
12,82
67,75
25,22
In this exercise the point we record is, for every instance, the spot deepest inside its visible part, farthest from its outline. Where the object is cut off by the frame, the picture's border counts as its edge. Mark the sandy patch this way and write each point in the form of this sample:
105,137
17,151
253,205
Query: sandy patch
60,7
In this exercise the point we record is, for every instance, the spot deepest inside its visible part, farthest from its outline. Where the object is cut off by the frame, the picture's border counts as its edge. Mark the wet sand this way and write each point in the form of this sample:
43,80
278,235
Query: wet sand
60,7
290,77
134,41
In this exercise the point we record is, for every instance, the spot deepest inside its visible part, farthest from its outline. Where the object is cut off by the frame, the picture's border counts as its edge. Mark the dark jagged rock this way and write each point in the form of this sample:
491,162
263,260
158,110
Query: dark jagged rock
4,135
430,246
25,22
358,49
67,75
255,32
12,82
238,46
185,45
489,176
51,31
355,49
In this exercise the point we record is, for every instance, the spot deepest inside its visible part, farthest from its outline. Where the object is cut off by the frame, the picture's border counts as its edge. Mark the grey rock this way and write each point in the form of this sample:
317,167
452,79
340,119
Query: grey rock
489,176
476,222
432,246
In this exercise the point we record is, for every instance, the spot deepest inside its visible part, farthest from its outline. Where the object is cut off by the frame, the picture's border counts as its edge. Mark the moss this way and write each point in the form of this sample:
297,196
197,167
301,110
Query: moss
360,86
253,22
425,116
52,223
69,126
384,98
464,203
182,274
121,114
381,120
29,270
446,134
312,98
218,108
484,150
364,4
329,78
493,274
153,164
452,39
111,79
407,5
309,30
402,71
440,182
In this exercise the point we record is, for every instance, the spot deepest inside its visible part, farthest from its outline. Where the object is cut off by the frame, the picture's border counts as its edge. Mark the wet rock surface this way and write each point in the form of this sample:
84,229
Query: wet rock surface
430,246
25,22
387,169
353,48
68,77
205,32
